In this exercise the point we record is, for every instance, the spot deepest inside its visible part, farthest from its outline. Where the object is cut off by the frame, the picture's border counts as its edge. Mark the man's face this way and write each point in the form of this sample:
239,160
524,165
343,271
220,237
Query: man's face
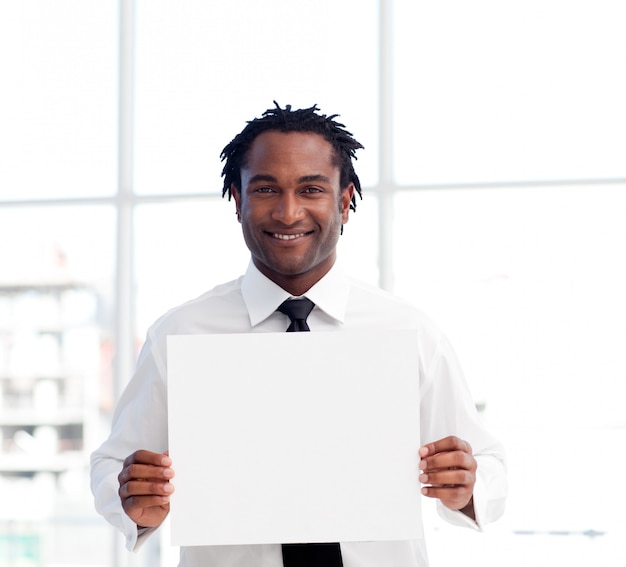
291,207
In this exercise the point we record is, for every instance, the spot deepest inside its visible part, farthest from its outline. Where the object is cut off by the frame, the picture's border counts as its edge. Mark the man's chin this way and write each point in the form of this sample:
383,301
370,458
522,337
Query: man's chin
288,269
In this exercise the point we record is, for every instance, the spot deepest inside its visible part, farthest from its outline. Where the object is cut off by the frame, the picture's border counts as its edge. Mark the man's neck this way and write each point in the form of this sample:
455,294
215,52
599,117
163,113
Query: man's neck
298,284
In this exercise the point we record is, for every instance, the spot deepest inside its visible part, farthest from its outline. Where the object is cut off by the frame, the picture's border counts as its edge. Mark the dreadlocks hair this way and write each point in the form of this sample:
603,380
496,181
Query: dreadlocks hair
287,120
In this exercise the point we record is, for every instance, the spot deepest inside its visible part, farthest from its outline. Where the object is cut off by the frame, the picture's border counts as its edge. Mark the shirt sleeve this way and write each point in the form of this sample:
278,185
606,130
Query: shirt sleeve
139,422
447,408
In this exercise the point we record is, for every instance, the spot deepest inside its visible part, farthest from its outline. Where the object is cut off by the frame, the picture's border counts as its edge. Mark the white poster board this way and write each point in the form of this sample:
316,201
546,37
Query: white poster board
294,437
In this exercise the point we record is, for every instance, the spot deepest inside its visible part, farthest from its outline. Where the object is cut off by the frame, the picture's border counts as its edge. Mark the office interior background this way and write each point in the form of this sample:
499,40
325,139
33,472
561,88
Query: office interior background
494,176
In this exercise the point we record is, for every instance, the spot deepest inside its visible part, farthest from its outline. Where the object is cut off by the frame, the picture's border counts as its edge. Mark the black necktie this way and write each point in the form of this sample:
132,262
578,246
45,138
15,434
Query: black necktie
306,554
297,310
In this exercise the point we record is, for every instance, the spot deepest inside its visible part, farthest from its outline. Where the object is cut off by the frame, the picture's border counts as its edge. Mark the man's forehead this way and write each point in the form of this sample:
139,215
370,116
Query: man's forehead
290,137
294,148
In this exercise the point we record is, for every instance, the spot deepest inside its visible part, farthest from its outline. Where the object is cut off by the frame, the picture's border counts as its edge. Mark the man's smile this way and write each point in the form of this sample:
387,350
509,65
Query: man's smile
281,236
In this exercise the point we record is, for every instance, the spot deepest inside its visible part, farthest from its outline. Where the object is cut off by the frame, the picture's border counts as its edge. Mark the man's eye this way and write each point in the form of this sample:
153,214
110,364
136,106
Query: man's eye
263,190
312,190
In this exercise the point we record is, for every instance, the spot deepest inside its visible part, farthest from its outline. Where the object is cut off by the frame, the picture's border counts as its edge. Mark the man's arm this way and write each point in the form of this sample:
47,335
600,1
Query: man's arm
448,409
139,422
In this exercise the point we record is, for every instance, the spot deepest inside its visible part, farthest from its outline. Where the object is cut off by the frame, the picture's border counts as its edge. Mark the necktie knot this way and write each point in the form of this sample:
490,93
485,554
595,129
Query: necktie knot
297,310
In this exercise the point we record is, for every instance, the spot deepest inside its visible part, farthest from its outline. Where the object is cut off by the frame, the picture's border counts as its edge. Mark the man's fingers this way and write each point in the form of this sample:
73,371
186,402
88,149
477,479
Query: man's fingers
143,457
140,502
449,472
146,465
143,488
448,478
451,460
444,445
453,497
147,511
131,472
146,503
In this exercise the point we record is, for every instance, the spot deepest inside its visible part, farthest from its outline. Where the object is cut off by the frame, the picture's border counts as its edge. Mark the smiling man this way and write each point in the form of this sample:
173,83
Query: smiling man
291,176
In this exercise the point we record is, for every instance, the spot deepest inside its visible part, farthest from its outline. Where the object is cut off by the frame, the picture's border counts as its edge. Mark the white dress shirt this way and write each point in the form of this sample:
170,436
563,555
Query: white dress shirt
248,305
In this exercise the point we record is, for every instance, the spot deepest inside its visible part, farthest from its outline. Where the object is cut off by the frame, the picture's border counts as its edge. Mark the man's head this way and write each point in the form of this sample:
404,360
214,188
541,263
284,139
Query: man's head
288,120
293,189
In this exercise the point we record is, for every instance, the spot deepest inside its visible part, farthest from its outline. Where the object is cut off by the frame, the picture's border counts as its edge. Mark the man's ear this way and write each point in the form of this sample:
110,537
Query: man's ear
346,200
237,197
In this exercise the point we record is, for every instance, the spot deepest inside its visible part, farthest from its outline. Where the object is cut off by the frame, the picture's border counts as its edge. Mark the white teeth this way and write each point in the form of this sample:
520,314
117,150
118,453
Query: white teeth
287,236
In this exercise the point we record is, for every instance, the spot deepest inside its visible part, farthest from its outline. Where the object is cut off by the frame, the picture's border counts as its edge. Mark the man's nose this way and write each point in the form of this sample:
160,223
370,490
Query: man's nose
288,209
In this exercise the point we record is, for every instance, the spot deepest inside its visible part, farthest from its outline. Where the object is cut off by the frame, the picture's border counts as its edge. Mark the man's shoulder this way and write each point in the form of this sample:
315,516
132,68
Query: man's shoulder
377,296
224,301
372,307
393,309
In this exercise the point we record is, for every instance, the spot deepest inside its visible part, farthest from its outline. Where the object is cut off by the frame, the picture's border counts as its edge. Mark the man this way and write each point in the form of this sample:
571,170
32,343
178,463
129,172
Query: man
292,179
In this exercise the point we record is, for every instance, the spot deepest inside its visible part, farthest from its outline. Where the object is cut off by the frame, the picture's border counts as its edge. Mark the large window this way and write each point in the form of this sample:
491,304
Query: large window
490,91
494,191
59,99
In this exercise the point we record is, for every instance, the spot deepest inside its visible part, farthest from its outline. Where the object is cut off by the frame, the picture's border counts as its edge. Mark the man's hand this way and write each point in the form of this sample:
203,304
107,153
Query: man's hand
449,469
145,487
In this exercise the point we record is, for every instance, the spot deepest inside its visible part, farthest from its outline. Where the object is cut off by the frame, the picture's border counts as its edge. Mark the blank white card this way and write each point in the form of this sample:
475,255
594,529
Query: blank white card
294,437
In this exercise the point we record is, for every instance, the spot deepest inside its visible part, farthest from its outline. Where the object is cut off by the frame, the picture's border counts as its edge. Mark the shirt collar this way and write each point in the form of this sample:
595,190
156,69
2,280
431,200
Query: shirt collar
262,296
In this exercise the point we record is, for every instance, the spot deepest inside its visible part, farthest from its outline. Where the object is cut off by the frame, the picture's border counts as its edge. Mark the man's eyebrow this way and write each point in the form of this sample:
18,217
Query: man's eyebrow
262,177
313,178
318,177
